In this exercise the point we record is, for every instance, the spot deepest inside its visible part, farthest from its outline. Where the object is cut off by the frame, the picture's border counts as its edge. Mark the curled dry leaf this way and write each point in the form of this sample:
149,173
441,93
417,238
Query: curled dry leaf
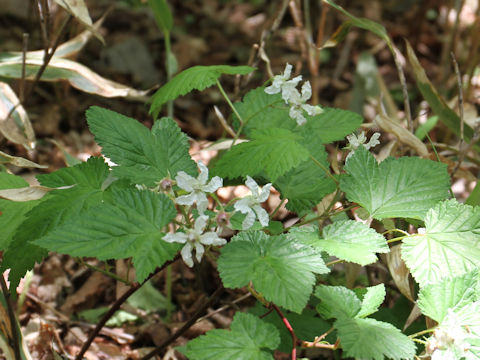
79,76
399,272
18,161
25,193
79,10
14,125
403,135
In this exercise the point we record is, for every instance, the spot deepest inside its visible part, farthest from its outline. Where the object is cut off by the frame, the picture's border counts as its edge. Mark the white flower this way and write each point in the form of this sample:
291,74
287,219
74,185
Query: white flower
298,104
292,96
355,141
250,204
449,339
195,238
197,188
281,83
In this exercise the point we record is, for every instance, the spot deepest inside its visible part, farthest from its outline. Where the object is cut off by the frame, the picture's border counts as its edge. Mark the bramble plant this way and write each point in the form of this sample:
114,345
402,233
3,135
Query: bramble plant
156,205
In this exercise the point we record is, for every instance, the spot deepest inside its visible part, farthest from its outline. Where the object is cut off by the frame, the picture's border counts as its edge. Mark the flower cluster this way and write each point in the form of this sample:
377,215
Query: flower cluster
195,238
292,97
355,141
449,340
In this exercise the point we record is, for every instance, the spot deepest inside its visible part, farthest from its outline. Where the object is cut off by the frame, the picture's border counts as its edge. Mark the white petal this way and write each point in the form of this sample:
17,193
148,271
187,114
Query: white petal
186,199
187,254
178,237
185,181
306,91
249,220
312,110
200,224
353,141
252,185
262,215
203,176
373,141
214,184
202,202
288,71
273,89
265,193
297,115
199,251
242,205
212,238
290,94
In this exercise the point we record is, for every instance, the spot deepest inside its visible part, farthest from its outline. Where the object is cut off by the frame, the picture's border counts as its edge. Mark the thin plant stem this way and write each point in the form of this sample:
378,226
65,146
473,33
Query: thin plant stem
398,239
15,340
116,306
396,230
320,165
168,54
227,99
423,332
438,159
277,208
24,60
187,325
338,261
289,329
106,273
168,285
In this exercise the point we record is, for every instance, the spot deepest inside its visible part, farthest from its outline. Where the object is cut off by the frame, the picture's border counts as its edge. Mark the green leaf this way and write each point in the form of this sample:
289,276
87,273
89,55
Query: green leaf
194,78
9,181
450,245
372,300
280,269
352,241
337,302
162,14
143,156
451,293
423,129
331,125
248,339
306,325
12,214
53,210
260,110
128,226
436,102
274,151
404,187
305,185
372,339
149,299
89,174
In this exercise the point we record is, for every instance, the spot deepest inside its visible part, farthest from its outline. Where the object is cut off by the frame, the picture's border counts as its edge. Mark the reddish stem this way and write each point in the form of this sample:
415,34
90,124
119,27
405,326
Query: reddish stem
290,330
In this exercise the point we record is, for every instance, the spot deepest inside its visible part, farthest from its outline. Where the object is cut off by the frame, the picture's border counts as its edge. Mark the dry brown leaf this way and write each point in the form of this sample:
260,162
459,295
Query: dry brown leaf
18,161
14,125
25,194
399,272
403,135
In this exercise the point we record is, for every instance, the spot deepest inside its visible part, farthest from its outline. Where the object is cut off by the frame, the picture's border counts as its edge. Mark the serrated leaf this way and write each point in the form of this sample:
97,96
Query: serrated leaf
331,125
404,187
372,300
260,110
372,339
352,241
305,185
194,78
450,245
451,293
129,226
53,210
274,151
12,213
248,340
281,270
337,302
306,325
143,156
